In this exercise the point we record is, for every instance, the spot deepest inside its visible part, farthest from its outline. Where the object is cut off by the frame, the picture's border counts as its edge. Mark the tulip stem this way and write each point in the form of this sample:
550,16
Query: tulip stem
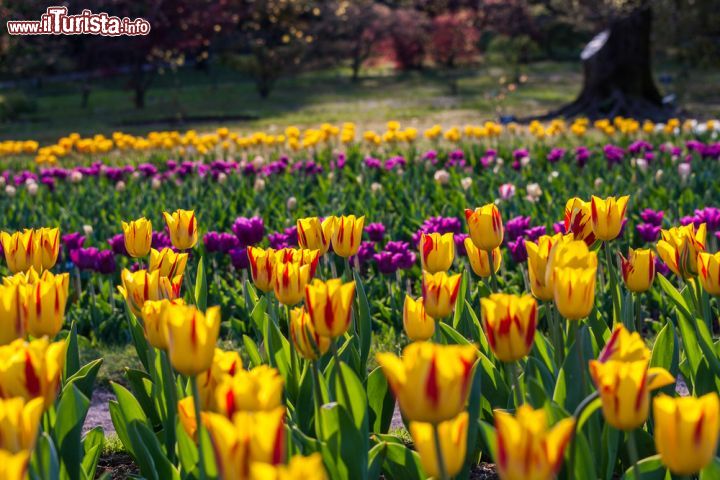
638,313
198,422
577,414
511,371
579,349
318,399
338,372
439,453
632,447
493,276
612,282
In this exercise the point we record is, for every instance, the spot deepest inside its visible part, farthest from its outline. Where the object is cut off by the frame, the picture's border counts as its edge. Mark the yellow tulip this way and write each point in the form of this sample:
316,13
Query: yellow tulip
301,257
431,382
485,226
23,278
308,343
709,272
225,364
141,286
329,305
526,448
453,444
32,369
480,259
186,415
256,390
299,468
607,216
436,251
14,466
638,270
192,336
19,422
419,326
247,438
138,237
43,304
679,249
262,267
167,262
624,346
509,322
183,228
12,323
569,253
574,291
578,220
314,234
289,281
347,235
154,321
538,254
31,248
686,431
439,293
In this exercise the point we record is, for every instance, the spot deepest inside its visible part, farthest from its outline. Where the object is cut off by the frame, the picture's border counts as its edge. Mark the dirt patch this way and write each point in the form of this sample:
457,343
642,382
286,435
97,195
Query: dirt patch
99,412
118,465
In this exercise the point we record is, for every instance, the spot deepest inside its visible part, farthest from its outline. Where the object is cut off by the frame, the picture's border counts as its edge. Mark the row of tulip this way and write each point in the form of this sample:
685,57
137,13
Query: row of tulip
469,387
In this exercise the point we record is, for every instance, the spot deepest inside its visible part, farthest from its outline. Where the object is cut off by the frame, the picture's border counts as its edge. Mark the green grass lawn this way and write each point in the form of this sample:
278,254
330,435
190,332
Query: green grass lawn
419,98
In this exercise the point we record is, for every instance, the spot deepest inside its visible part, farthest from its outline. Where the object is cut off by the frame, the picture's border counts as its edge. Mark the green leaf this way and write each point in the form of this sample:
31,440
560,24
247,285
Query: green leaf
452,335
162,466
489,438
201,286
84,378
651,468
92,448
402,463
44,463
460,301
573,382
674,295
72,356
712,471
376,458
584,458
364,321
141,385
252,351
666,350
381,403
71,412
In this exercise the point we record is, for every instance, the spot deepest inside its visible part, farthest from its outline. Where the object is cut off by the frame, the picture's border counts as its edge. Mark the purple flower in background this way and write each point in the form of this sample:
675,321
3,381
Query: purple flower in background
459,239
613,154
486,161
117,244
239,258
220,242
431,156
373,163
105,262
339,162
517,250
559,227
148,169
365,252
652,217
159,241
456,159
556,154
278,240
84,258
73,241
648,232
660,266
48,182
438,225
249,231
521,153
639,146
386,263
397,161
533,233
686,220
516,227
292,236
582,155
710,216
375,231
404,257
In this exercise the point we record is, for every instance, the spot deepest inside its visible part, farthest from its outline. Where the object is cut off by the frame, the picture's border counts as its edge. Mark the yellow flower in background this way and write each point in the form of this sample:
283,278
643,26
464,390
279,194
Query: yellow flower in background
419,326
289,281
439,293
186,415
138,237
154,322
527,449
578,220
574,291
32,369
679,248
262,267
329,305
485,226
183,228
538,255
299,468
256,390
308,343
686,431
315,234
19,422
14,466
141,286
569,253
43,304
12,323
509,322
480,259
167,262
225,364
709,272
31,248
453,444
192,336
437,251
347,235
431,382
638,270
607,216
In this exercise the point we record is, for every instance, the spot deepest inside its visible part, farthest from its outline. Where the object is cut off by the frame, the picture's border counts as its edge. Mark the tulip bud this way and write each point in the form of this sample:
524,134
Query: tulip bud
347,235
329,305
19,423
574,291
256,390
141,286
259,185
578,220
315,234
442,177
32,188
480,259
12,324
466,183
686,431
291,203
679,248
684,170
305,338
419,326
289,280
607,216
154,322
138,237
439,293
262,267
43,304
32,369
225,364
485,227
183,228
192,336
638,270
436,251
167,262
538,255
10,191
709,272
299,467
453,444
509,322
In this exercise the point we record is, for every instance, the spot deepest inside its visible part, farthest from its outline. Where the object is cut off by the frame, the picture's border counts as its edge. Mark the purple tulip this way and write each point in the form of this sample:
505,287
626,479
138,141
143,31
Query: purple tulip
105,262
386,263
516,227
73,241
84,258
661,267
613,154
375,231
533,233
117,244
559,227
278,240
648,233
582,155
517,250
555,155
459,239
710,216
160,240
239,258
249,231
365,252
652,217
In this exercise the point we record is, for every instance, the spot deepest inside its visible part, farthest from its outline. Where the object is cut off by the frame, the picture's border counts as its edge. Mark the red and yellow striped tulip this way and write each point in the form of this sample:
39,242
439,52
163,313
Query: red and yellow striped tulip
183,228
538,255
485,226
305,338
419,326
192,336
43,304
509,322
679,248
32,369
140,286
578,220
347,235
574,291
329,305
607,216
14,466
299,468
31,248
19,423
638,269
12,322
225,364
315,234
154,321
256,390
709,272
453,444
138,237
167,262
480,259
289,281
437,251
300,256
262,267
439,293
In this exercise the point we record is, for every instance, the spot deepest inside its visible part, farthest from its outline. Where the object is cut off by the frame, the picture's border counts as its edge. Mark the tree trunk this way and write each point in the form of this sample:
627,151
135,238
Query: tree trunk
617,74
